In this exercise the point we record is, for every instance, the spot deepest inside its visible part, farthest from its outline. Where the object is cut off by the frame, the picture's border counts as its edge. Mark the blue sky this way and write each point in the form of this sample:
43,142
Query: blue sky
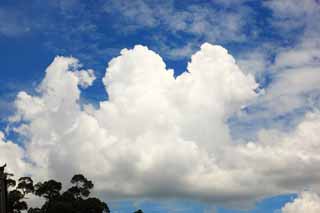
275,42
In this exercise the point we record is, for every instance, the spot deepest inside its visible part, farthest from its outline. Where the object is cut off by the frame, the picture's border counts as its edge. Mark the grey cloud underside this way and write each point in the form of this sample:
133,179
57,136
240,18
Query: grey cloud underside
158,136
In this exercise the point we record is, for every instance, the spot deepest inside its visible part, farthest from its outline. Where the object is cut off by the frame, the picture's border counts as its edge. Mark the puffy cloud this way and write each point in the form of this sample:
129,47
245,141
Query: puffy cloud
152,122
288,160
13,155
86,78
161,136
306,202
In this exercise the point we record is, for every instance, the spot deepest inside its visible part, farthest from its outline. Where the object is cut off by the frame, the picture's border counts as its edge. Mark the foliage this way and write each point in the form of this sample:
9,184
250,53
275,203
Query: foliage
16,204
76,199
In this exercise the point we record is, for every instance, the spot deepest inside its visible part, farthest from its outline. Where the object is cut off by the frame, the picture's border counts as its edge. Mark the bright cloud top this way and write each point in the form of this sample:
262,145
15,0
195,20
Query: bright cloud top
160,136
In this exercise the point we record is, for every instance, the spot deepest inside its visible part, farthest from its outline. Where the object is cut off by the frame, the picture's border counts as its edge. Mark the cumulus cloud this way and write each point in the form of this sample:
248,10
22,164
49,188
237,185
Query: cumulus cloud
306,202
161,136
86,77
13,155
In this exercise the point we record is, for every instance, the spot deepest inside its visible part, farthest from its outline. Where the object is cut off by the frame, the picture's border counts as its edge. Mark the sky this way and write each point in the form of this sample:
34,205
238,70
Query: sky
169,106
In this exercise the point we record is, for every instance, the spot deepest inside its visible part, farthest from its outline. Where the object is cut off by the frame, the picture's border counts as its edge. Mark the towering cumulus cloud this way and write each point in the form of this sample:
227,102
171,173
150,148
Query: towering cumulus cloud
160,136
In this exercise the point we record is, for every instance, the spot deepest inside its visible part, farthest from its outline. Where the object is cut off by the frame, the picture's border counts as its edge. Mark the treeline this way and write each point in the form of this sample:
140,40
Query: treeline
76,199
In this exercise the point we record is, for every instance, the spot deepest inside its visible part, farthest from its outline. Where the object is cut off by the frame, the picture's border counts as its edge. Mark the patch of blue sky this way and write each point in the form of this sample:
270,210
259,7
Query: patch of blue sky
173,206
268,205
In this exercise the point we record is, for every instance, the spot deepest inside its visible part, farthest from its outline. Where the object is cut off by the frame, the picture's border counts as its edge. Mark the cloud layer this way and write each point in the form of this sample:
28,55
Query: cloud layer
157,135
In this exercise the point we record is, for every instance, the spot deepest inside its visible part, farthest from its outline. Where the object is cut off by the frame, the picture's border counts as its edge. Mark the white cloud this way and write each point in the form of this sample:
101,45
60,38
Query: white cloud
174,52
293,8
306,202
138,10
86,78
296,17
194,19
160,136
292,78
254,62
295,14
12,155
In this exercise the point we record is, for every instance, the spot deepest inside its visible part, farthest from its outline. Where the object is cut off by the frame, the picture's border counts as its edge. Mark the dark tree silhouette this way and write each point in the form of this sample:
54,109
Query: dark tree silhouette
76,199
50,190
16,204
82,186
73,200
92,205
25,184
11,183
